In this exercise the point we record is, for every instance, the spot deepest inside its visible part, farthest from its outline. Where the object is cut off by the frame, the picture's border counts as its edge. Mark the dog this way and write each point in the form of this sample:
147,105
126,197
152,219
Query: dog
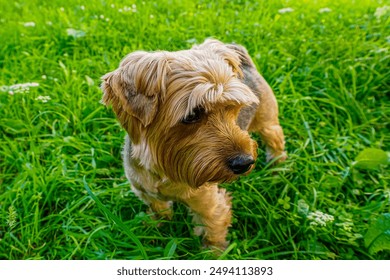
187,115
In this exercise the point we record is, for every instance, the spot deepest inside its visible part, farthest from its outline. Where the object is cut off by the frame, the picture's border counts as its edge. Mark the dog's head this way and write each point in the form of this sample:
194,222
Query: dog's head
180,111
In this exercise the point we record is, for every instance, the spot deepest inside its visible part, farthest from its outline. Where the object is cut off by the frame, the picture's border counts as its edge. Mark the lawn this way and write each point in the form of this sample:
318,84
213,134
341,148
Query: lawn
63,193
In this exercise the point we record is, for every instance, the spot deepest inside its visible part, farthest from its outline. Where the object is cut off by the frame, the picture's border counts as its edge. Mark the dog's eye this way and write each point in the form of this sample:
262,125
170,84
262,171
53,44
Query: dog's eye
194,117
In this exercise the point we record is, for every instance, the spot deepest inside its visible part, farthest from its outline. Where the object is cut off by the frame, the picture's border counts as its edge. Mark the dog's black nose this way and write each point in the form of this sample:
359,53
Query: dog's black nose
240,164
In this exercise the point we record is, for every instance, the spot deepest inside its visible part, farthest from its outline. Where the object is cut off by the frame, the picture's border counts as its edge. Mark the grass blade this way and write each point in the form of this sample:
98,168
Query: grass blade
117,221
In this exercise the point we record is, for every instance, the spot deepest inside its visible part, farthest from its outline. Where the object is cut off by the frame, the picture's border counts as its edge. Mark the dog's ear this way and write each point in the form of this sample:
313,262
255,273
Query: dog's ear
135,88
245,59
222,50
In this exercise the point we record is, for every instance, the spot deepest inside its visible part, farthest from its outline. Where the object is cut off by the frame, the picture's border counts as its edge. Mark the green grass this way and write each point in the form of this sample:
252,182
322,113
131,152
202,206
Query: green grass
329,70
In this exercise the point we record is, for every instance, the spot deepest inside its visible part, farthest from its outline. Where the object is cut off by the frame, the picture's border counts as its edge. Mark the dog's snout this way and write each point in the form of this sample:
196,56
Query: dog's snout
241,164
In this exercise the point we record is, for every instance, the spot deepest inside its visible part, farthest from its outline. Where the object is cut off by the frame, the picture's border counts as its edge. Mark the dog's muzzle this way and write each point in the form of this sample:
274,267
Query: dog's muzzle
240,164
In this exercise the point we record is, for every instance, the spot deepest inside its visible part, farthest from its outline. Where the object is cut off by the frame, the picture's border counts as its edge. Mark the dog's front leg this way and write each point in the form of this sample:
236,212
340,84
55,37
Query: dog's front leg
211,207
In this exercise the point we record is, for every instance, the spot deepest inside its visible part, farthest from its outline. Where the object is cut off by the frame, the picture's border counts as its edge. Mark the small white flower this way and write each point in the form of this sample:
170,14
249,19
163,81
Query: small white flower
120,10
18,88
44,99
62,9
112,6
382,11
107,19
29,24
286,10
49,23
75,33
319,218
324,10
151,16
44,77
102,16
82,8
24,86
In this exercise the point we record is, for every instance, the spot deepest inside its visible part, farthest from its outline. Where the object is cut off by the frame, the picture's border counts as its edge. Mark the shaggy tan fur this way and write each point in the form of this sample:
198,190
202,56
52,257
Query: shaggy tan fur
187,115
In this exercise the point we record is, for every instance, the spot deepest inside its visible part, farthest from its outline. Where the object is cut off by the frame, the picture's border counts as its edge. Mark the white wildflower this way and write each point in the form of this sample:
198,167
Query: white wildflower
151,16
18,88
49,23
382,11
319,218
44,77
29,24
75,33
107,19
82,8
62,9
133,9
324,10
112,6
286,10
33,84
44,99
101,16
21,88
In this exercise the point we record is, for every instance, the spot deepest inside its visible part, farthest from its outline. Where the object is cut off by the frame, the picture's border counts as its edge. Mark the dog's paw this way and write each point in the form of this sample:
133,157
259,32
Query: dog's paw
216,247
276,157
